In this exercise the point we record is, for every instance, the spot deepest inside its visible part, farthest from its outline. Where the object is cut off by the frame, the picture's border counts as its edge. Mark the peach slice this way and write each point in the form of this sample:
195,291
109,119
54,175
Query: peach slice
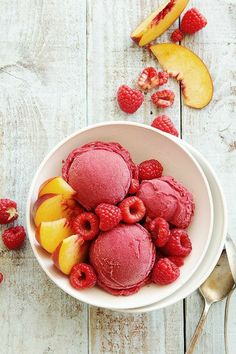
71,250
50,233
158,22
56,185
52,207
184,65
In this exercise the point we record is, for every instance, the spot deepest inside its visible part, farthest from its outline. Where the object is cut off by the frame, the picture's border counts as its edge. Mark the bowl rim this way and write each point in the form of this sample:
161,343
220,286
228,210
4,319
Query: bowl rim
170,300
71,136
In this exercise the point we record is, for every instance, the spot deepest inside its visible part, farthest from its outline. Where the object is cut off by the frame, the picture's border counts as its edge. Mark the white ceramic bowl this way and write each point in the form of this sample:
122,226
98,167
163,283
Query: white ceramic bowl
143,142
219,232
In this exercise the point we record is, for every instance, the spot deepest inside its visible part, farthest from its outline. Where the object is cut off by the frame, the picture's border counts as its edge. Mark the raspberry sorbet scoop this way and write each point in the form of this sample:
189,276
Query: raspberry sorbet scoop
123,258
100,173
166,198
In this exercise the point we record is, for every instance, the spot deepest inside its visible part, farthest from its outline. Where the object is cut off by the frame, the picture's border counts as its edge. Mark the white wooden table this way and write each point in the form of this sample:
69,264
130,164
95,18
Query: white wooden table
61,63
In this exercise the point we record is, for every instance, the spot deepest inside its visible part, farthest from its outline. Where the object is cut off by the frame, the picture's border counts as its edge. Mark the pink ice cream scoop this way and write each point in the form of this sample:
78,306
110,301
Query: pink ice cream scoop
100,173
169,199
123,258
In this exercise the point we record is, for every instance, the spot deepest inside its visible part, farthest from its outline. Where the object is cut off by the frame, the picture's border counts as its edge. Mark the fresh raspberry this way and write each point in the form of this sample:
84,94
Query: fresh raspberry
109,215
82,276
148,79
132,210
8,212
150,169
165,272
163,77
177,35
134,186
86,225
179,244
178,261
165,124
163,99
128,99
192,21
160,231
1,277
14,237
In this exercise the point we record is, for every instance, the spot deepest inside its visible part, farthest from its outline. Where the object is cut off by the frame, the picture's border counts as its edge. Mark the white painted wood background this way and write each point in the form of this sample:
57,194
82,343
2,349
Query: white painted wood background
60,65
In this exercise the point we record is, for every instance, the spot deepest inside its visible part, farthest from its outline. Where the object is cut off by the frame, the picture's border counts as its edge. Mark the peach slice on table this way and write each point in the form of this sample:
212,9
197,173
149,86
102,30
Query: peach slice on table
49,234
71,250
52,207
56,185
158,22
184,65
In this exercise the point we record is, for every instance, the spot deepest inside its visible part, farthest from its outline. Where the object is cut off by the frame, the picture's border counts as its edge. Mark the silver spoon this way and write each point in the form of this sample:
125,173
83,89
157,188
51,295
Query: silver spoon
217,286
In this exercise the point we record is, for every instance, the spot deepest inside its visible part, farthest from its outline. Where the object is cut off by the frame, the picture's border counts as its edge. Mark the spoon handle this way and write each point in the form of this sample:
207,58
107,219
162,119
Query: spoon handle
199,328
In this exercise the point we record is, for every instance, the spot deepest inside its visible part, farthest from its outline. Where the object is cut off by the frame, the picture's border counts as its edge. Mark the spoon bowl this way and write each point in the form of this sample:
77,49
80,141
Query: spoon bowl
220,282
217,286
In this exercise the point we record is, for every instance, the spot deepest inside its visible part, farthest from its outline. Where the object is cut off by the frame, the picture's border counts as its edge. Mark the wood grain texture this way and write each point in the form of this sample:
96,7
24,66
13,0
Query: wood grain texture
42,99
61,63
212,131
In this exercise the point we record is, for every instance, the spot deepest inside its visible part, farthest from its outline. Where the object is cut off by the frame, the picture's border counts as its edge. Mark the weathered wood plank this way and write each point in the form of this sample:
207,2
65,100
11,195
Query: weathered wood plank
114,60
42,99
212,131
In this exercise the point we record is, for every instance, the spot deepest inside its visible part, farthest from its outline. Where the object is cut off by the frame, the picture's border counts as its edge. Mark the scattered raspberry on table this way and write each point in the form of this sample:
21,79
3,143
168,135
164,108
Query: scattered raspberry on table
165,124
128,99
177,35
192,21
151,78
14,237
163,99
8,211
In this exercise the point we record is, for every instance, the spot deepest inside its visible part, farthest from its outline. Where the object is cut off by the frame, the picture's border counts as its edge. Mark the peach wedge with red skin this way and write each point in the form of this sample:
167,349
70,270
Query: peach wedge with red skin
71,250
184,65
56,185
52,207
49,234
158,22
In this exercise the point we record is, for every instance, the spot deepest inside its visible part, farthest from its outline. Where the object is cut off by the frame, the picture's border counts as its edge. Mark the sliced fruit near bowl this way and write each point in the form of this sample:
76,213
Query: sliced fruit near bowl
56,185
49,234
52,207
70,251
158,22
184,65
